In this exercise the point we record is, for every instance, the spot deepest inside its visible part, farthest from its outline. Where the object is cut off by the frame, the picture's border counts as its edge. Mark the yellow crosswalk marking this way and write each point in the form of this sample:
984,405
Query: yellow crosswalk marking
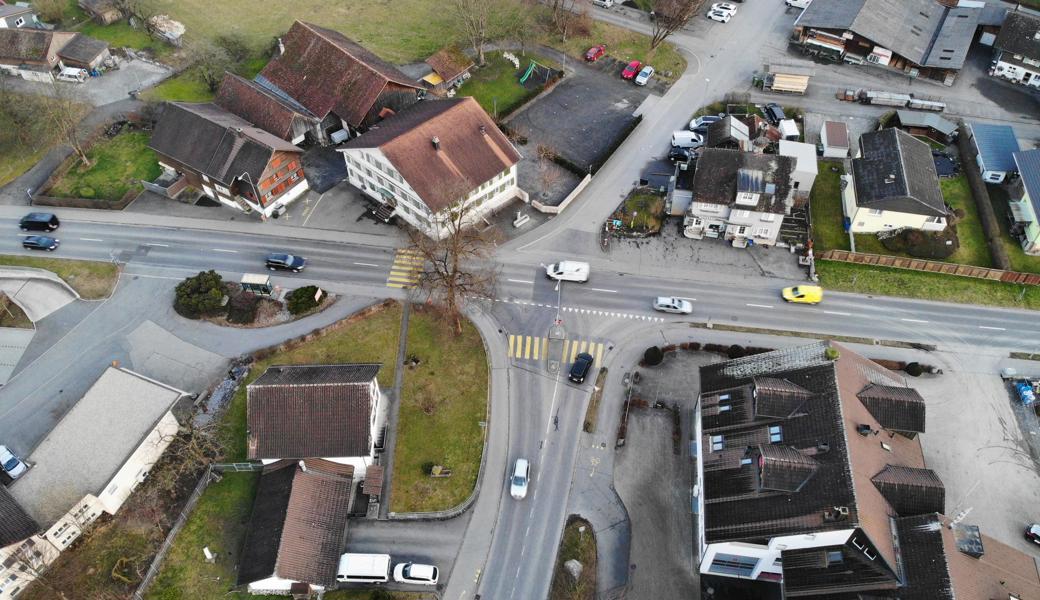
404,272
512,338
527,348
566,346
599,354
537,342
574,351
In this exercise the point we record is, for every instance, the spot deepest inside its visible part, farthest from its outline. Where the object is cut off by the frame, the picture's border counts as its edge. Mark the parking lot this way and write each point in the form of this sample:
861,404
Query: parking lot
113,86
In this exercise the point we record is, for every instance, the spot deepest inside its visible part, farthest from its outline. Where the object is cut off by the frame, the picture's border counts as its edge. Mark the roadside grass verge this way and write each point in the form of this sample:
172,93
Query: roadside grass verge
92,279
867,279
444,401
828,231
25,140
12,315
1020,261
186,86
578,543
624,45
117,166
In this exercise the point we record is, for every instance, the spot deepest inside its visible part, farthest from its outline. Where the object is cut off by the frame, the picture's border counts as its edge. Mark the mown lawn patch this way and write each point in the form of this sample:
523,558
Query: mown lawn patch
186,86
496,85
117,166
91,279
1020,261
828,229
120,34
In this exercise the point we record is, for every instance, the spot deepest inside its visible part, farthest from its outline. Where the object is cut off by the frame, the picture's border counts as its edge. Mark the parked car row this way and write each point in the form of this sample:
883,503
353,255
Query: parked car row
722,12
635,70
375,568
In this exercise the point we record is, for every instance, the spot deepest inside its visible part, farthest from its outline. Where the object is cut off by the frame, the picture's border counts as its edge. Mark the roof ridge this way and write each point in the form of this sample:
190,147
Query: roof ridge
320,33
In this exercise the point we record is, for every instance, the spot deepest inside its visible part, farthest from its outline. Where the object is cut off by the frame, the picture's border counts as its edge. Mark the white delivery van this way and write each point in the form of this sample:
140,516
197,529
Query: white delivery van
687,139
789,130
364,568
798,3
72,75
568,270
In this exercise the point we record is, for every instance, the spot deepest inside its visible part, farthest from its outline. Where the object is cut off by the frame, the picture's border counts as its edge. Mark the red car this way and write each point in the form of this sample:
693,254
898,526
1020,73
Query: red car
631,70
595,52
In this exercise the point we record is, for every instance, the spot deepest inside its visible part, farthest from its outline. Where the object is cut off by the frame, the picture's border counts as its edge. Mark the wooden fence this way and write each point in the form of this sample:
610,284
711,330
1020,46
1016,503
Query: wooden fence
931,266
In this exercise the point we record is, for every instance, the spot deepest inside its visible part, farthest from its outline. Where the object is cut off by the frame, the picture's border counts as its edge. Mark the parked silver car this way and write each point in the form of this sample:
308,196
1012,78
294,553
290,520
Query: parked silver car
673,305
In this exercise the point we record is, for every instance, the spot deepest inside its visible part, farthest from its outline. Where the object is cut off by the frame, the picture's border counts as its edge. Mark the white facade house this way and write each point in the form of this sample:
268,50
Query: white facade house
93,459
432,158
332,412
1016,55
805,168
1024,204
834,135
893,185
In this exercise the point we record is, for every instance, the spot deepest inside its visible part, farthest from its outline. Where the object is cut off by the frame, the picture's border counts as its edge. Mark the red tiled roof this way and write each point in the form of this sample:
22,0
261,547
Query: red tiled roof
257,105
449,62
326,72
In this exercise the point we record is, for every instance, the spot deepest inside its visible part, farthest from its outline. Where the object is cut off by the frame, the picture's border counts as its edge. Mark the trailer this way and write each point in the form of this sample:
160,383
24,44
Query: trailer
922,104
788,79
884,98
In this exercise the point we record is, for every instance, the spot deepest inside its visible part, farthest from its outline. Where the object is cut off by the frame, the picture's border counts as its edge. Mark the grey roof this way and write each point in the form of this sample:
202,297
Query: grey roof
215,142
1028,166
896,172
1018,35
722,173
15,523
83,49
318,374
10,10
912,118
92,442
996,144
923,31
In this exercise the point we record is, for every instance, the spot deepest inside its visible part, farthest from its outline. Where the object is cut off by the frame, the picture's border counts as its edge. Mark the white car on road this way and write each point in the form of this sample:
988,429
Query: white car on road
673,305
727,7
521,476
720,16
415,574
11,464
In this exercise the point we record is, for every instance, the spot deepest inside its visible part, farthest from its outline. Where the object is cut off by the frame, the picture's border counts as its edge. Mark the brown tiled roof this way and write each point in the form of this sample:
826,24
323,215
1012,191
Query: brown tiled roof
24,44
1000,572
896,408
450,62
304,411
785,469
259,106
298,523
373,485
326,72
82,49
721,173
911,491
778,397
15,523
471,149
837,134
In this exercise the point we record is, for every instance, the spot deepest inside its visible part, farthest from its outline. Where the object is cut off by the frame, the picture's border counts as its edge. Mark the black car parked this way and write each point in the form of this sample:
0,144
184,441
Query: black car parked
40,242
286,262
679,154
580,368
773,113
39,221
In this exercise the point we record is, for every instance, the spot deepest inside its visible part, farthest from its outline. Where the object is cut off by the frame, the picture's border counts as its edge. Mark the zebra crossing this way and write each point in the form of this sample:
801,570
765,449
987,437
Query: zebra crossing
529,347
404,273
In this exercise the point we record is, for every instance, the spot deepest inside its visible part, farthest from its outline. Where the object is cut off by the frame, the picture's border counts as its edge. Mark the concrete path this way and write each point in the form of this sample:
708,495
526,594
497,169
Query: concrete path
38,293
394,396
13,342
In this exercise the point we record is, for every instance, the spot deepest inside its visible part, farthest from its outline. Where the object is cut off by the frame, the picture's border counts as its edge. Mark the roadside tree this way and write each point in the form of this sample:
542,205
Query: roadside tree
670,16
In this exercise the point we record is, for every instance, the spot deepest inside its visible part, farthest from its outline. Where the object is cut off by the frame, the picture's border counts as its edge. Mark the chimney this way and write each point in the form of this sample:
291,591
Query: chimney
303,466
436,143
483,130
890,178
863,429
281,47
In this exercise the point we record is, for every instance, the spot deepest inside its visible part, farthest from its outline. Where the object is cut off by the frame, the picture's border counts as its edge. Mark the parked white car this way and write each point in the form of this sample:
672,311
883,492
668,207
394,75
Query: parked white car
521,476
702,123
673,305
720,16
644,76
416,574
726,7
12,465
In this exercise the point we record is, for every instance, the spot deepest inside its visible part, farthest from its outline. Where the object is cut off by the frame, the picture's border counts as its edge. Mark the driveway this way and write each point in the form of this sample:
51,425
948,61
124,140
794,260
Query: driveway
113,86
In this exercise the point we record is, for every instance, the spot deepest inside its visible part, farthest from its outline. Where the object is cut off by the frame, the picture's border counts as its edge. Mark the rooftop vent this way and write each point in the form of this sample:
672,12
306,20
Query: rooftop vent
969,540
436,143
838,513
890,178
483,130
863,429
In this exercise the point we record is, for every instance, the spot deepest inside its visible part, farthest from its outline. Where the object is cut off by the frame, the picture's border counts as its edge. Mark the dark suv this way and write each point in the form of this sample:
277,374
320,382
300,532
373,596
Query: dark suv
580,368
774,113
39,222
286,262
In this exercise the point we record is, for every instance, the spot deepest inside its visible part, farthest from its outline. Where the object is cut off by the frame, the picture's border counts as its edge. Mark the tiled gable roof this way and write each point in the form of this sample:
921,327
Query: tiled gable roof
778,398
15,523
896,172
449,62
896,408
1018,35
785,469
470,148
310,411
721,173
910,490
82,49
22,44
329,73
259,106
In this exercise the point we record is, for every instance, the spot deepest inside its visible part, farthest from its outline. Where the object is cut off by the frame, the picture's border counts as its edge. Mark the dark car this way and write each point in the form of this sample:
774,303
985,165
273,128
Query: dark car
774,113
679,154
39,221
286,262
40,242
580,368
1033,533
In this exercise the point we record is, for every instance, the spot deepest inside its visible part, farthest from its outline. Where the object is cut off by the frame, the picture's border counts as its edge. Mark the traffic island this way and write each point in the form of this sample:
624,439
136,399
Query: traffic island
575,574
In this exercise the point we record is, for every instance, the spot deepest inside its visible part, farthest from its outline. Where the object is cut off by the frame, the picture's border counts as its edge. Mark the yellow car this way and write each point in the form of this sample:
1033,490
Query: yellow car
804,294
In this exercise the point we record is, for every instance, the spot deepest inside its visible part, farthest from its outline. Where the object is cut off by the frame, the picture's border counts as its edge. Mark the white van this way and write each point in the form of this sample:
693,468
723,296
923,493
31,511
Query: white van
687,139
568,270
364,568
72,75
604,3
798,3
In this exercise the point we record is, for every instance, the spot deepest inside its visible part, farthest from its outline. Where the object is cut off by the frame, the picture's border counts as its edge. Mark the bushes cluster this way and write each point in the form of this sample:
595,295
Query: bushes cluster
937,245
734,350
302,299
200,295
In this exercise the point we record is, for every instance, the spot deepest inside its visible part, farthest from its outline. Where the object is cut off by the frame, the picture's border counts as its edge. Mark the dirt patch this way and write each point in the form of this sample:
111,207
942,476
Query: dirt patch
12,315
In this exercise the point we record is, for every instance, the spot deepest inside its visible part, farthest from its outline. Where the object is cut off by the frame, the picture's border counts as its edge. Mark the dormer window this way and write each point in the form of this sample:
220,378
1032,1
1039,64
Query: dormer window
717,443
775,434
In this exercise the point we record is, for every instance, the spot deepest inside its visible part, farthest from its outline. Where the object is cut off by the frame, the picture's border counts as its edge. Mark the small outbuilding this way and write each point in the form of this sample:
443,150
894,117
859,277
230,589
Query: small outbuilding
834,135
929,125
996,146
450,68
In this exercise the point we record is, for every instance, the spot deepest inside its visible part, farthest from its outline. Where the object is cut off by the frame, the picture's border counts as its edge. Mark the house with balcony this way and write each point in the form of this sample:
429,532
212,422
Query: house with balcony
893,185
432,158
1024,204
228,158
1016,50
740,197
813,480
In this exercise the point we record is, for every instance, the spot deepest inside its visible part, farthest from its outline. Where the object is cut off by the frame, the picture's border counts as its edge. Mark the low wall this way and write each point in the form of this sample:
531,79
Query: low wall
96,203
931,266
555,210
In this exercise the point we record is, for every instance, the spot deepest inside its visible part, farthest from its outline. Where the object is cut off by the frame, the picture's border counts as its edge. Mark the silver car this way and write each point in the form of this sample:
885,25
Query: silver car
673,305
521,476
11,464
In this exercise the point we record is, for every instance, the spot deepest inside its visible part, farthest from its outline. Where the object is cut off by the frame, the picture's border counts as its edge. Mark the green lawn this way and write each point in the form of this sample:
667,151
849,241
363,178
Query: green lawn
186,86
92,279
118,165
865,279
496,86
581,546
120,34
16,156
1020,261
444,401
828,231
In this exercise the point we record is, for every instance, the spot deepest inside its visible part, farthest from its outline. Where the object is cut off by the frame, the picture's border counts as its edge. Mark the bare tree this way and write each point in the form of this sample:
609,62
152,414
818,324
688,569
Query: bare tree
474,16
670,16
210,60
455,266
51,11
190,450
63,112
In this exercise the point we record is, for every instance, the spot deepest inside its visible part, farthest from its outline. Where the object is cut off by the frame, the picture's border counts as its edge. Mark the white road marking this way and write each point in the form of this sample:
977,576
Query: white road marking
520,281
760,305
834,312
366,265
159,245
992,328
603,290
223,250
913,320
91,240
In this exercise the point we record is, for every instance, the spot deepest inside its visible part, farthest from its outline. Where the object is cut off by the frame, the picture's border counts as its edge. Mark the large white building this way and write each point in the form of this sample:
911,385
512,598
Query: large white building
1017,50
432,157
99,452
